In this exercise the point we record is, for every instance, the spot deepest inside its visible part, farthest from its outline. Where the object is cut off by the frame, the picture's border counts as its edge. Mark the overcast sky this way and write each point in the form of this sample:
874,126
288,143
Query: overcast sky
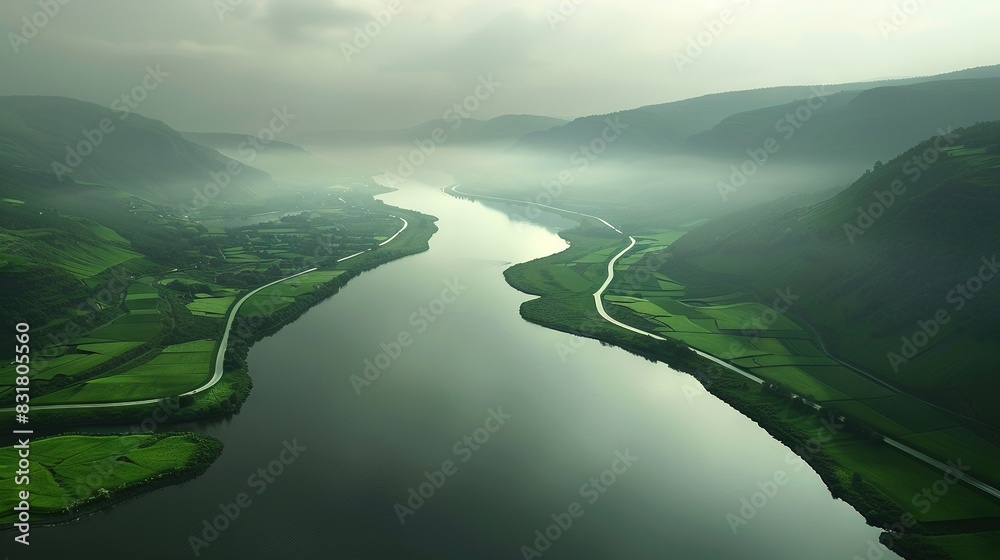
230,62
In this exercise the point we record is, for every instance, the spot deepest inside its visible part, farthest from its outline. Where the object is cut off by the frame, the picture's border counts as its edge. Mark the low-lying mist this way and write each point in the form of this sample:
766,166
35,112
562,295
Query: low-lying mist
670,190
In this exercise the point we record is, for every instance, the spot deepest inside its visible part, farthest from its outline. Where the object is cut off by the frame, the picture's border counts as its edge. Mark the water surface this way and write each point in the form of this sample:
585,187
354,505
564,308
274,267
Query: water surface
573,407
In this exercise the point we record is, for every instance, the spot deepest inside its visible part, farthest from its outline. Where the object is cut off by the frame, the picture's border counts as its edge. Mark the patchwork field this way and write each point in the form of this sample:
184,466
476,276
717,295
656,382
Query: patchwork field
760,338
654,293
280,295
175,370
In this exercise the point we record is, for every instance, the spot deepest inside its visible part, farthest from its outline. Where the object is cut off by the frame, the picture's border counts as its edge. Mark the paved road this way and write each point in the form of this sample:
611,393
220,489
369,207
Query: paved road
598,301
219,357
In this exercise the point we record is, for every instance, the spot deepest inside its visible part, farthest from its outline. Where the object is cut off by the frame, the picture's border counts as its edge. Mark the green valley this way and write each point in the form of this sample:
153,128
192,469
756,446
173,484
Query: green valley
773,291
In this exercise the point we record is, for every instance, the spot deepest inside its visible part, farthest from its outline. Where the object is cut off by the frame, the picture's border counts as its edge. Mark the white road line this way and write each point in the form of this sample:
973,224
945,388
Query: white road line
220,356
598,300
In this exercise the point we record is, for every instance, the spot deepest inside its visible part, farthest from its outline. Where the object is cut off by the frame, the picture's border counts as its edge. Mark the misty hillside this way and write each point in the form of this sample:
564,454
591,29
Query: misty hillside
64,138
665,128
290,164
856,126
874,261
503,131
236,142
56,237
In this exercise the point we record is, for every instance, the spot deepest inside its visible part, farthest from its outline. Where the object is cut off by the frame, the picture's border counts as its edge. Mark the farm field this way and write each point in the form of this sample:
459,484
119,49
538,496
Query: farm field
171,372
71,472
127,357
765,341
653,293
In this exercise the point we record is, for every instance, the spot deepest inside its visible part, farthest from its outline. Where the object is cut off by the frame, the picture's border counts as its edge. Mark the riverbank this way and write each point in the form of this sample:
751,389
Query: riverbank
75,475
569,417
838,449
225,393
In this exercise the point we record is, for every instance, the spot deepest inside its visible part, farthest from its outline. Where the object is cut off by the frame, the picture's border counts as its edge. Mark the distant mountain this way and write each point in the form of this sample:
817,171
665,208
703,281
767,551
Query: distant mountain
665,128
290,165
76,141
503,131
861,126
899,272
228,141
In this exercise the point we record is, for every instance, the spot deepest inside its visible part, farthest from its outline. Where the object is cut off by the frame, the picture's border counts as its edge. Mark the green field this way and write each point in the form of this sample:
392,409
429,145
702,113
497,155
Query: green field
976,546
67,364
71,252
281,294
211,307
734,324
193,346
108,348
143,331
902,479
71,472
177,369
83,259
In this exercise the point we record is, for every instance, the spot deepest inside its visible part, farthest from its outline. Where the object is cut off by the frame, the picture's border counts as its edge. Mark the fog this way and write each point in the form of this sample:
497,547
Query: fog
662,191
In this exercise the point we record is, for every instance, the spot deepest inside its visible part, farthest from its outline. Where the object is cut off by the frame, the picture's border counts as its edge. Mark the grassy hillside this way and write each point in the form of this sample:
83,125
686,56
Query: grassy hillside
903,255
770,290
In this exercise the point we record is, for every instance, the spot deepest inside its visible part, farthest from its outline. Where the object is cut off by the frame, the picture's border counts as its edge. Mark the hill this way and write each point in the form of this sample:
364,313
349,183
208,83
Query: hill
895,272
290,164
75,141
234,142
502,131
856,126
665,128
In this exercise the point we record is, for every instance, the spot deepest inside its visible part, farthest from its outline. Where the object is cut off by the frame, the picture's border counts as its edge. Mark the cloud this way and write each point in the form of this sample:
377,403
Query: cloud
302,20
150,49
605,56
504,43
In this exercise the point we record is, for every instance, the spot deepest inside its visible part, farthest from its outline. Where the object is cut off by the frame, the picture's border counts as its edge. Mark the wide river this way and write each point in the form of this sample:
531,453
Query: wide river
506,428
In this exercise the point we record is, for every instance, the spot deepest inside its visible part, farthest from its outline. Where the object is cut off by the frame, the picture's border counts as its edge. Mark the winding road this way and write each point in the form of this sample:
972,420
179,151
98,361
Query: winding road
599,303
221,352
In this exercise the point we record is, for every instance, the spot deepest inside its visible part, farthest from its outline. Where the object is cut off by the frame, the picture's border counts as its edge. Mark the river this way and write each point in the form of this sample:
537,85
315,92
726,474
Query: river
506,427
